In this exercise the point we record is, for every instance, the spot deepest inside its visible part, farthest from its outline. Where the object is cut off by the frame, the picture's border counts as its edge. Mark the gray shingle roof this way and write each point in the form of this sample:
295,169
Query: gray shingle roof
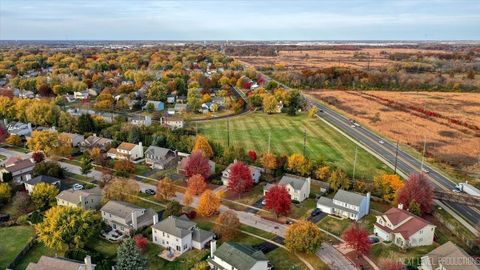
158,151
326,202
296,182
200,235
73,196
124,210
349,197
42,179
240,256
176,226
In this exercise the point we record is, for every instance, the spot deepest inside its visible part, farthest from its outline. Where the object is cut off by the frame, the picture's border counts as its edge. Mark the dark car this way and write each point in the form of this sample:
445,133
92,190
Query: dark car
150,191
316,212
373,239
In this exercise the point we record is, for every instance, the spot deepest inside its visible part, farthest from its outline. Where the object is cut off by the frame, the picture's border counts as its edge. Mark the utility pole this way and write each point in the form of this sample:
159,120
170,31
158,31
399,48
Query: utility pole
396,158
305,142
355,163
424,148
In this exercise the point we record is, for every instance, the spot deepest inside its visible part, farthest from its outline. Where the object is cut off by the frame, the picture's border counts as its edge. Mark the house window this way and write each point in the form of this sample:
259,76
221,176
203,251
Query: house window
421,231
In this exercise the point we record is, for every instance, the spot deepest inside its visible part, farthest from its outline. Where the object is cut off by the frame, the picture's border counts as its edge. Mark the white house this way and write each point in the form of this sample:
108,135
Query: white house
126,217
19,128
80,95
236,256
255,171
298,187
140,120
74,138
346,204
448,257
126,151
403,228
179,234
172,122
21,170
31,183
88,199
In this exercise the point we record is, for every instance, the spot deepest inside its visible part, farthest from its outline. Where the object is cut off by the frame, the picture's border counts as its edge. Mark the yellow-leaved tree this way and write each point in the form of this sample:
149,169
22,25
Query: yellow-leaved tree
208,204
201,143
297,163
122,190
303,236
388,184
50,143
65,228
165,189
43,195
269,103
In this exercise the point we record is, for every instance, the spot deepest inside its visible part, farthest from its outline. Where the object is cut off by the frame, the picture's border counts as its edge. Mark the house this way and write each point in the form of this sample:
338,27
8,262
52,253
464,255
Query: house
182,163
58,263
128,151
80,95
160,158
140,120
171,99
88,199
172,122
180,108
21,170
19,128
96,142
73,138
403,228
157,105
181,99
448,257
255,171
31,183
237,256
298,187
346,204
126,217
179,234
26,94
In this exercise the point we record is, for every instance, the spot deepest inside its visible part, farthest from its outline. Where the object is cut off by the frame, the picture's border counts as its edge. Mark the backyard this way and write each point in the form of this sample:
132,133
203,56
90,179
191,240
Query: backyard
251,132
13,241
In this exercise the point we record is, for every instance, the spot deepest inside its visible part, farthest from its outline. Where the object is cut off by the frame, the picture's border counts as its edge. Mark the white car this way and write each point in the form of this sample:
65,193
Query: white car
77,187
264,202
381,141
425,170
352,126
455,190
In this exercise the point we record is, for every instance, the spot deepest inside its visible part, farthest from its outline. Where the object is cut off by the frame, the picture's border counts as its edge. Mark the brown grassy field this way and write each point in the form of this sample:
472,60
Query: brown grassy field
329,58
451,143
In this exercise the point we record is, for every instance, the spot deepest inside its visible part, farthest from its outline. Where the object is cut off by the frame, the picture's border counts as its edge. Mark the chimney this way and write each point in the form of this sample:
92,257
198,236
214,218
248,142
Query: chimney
81,200
213,247
368,202
88,263
134,220
400,206
155,219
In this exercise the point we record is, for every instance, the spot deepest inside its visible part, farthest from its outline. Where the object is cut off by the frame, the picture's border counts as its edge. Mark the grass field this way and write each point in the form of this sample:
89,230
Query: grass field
287,135
13,239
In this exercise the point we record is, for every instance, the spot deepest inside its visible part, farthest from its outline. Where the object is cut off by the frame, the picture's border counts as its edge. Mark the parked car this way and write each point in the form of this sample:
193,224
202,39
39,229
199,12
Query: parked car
373,239
264,202
456,190
150,191
316,212
77,186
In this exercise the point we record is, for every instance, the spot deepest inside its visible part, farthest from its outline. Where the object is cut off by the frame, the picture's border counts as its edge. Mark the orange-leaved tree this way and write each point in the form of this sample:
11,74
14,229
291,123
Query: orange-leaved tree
208,204
201,143
196,184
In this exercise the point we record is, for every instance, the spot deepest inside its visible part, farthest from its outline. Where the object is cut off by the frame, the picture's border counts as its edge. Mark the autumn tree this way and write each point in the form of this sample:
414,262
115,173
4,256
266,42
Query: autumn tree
197,163
208,204
416,189
165,189
278,200
201,143
129,257
122,190
38,156
388,184
124,167
106,178
240,178
303,236
141,242
49,168
44,195
173,208
49,142
252,155
14,140
269,161
312,112
323,173
196,184
338,180
65,228
97,156
356,238
297,163
227,225
203,265
5,193
187,198
269,104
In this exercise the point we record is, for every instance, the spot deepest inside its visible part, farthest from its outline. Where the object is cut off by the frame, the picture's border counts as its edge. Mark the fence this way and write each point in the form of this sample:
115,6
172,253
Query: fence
22,253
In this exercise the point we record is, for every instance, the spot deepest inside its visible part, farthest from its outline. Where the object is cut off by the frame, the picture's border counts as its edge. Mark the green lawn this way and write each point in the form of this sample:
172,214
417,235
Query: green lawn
34,255
287,135
13,239
411,255
334,225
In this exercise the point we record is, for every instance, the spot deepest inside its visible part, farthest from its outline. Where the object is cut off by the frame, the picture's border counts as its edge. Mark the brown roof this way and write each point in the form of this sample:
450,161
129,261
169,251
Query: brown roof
50,263
126,146
411,225
20,165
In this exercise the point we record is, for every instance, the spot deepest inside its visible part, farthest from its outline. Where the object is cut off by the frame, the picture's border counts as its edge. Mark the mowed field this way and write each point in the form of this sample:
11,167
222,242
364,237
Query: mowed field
451,143
251,132
362,58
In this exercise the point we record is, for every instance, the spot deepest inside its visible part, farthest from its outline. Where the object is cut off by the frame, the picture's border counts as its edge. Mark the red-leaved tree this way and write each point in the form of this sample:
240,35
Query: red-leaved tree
197,163
278,200
240,178
417,190
391,265
356,238
252,155
141,242
3,133
38,156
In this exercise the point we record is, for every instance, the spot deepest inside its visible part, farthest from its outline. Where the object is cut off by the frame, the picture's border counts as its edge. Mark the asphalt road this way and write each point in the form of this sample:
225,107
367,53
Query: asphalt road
406,163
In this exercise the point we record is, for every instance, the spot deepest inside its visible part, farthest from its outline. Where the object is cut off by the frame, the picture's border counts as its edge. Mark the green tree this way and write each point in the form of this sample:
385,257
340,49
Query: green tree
86,123
414,208
5,193
129,257
338,179
43,195
85,165
49,168
173,208
201,266
64,228
157,91
194,99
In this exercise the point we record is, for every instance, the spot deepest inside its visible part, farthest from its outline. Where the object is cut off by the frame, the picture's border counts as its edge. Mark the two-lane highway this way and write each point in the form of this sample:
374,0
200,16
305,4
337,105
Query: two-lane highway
406,164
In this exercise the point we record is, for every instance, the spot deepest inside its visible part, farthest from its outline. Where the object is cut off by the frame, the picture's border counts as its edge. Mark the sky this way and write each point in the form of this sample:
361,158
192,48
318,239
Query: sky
240,20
